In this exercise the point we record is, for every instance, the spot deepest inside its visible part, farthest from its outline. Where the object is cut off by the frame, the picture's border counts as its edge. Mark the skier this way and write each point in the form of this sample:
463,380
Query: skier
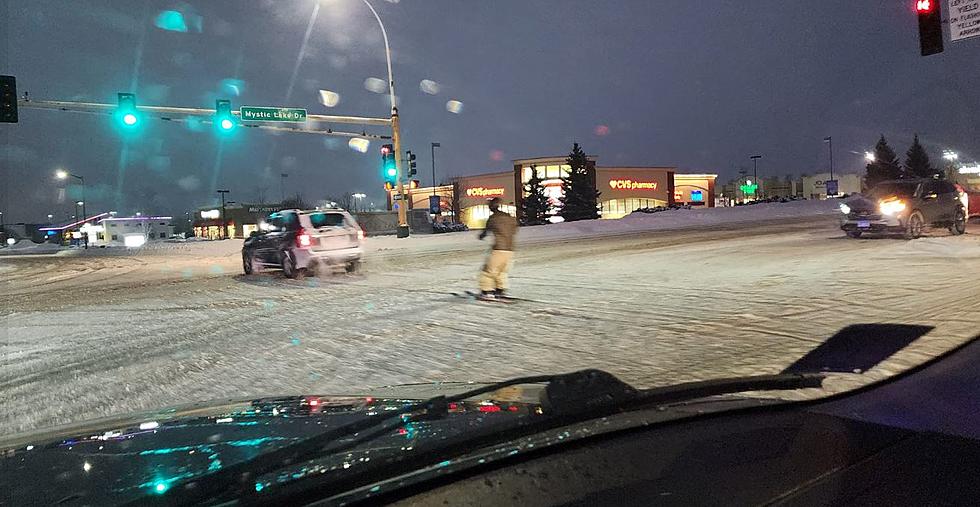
493,278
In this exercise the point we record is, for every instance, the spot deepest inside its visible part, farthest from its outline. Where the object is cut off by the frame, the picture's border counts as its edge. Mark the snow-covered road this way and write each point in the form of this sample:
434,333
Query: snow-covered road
86,336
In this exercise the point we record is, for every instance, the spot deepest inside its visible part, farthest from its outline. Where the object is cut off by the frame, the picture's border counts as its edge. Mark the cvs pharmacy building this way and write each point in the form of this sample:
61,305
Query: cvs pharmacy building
622,190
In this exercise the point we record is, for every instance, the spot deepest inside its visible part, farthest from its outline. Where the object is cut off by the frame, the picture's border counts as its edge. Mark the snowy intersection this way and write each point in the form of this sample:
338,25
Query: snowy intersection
656,300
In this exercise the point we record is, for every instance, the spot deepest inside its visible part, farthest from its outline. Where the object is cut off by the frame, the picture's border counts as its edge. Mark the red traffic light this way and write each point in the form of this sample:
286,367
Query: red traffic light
385,149
923,6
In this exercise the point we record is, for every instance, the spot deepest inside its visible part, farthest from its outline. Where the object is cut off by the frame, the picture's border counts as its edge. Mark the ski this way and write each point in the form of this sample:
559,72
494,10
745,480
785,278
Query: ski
473,295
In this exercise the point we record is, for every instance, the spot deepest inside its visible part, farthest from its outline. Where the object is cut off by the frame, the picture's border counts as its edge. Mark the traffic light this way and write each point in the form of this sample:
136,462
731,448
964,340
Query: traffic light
411,163
224,121
8,99
930,26
389,171
126,113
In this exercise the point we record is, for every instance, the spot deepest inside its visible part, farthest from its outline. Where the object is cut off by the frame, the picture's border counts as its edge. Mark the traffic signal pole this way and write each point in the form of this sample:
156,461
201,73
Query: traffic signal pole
400,188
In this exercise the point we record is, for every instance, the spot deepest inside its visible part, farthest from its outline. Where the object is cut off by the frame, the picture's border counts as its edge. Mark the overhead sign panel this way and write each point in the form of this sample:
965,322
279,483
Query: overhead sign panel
964,19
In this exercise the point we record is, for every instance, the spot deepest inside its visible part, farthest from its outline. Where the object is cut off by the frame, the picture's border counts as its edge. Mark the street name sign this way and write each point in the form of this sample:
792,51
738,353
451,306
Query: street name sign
253,113
964,19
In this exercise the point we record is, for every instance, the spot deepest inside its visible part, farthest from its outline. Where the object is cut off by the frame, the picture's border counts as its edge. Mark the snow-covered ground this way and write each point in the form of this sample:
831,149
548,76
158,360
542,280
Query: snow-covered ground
649,298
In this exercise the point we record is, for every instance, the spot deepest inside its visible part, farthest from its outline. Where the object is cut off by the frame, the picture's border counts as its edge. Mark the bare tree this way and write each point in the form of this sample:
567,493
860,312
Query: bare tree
145,227
296,202
260,193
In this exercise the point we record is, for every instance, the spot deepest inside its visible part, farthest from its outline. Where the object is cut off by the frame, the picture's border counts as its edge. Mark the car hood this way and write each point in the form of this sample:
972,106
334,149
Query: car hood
122,459
126,459
861,202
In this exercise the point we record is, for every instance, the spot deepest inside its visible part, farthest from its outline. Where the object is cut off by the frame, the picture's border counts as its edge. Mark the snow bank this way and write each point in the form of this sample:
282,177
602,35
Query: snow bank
634,223
28,247
684,218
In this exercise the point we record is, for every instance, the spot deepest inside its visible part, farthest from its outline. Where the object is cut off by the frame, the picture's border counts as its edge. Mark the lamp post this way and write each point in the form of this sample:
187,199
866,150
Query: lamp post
755,169
224,224
395,129
434,146
357,198
830,146
62,174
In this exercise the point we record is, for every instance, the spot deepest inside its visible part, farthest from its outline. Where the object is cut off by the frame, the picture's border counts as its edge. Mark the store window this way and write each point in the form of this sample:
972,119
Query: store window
618,208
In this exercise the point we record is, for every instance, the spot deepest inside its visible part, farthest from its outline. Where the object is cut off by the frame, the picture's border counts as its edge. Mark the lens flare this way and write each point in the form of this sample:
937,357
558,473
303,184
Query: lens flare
454,106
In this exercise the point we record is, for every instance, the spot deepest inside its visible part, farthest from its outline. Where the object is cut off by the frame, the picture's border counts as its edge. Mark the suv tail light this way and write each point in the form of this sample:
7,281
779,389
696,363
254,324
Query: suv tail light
360,234
302,238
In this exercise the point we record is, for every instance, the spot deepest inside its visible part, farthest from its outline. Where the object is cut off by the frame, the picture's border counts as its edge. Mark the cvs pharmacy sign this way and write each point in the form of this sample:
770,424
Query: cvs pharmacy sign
484,192
633,185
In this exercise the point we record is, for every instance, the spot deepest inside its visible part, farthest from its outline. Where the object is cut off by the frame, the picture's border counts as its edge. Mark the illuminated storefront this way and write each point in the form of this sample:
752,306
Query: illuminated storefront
622,190
695,189
240,220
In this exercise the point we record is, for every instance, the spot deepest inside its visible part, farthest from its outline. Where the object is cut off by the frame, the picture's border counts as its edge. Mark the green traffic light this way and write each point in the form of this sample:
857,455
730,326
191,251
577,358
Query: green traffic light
392,172
129,119
227,124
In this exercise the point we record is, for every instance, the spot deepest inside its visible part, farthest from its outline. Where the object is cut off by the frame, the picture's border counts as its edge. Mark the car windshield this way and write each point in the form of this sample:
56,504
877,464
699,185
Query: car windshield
319,220
208,203
890,189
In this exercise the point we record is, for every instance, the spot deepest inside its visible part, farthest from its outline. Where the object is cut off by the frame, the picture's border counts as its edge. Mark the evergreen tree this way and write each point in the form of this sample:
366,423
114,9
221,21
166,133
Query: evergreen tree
885,166
581,199
917,161
535,206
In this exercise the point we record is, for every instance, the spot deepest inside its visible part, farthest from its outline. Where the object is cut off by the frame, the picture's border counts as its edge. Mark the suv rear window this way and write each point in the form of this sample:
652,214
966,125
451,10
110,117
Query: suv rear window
326,220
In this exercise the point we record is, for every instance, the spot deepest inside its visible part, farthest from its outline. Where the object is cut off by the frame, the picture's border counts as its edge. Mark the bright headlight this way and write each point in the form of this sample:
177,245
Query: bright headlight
845,209
891,207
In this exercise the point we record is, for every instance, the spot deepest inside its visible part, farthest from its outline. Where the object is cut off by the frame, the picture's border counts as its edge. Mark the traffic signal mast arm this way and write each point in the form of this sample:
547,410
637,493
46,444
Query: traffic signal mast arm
180,114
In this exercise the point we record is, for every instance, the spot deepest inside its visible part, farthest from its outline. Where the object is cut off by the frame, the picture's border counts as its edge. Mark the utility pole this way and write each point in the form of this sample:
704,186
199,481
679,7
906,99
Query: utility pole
434,146
755,170
62,174
224,223
830,145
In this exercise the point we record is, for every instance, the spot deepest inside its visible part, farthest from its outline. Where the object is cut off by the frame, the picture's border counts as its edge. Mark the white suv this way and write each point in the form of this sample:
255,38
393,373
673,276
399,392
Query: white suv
296,241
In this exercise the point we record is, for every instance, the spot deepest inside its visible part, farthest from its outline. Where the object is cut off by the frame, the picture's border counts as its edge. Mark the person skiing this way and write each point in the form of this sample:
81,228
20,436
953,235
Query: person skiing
493,277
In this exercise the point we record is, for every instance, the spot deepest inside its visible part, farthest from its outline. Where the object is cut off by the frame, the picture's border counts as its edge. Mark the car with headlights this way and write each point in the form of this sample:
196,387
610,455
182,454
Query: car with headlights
906,207
298,242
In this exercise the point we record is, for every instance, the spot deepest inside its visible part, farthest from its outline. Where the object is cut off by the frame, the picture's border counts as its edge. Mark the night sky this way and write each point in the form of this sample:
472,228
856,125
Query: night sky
701,85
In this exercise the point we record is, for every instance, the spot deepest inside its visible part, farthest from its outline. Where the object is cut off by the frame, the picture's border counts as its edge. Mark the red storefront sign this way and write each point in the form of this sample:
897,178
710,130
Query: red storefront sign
633,185
484,192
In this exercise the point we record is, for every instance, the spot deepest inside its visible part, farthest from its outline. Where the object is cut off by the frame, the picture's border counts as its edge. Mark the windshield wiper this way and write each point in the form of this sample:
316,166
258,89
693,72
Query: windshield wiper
569,398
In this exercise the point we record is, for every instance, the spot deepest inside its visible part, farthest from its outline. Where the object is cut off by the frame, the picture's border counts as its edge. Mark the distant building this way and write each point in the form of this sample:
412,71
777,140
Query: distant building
132,231
107,229
622,190
815,186
240,220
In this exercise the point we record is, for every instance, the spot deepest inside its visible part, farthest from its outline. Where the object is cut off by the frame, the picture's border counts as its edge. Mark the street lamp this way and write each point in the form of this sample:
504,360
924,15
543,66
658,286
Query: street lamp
434,146
755,167
62,174
395,130
357,197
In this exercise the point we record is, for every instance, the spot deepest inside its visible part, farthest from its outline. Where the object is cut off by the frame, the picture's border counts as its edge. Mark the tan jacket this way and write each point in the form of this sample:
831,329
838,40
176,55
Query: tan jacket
504,228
